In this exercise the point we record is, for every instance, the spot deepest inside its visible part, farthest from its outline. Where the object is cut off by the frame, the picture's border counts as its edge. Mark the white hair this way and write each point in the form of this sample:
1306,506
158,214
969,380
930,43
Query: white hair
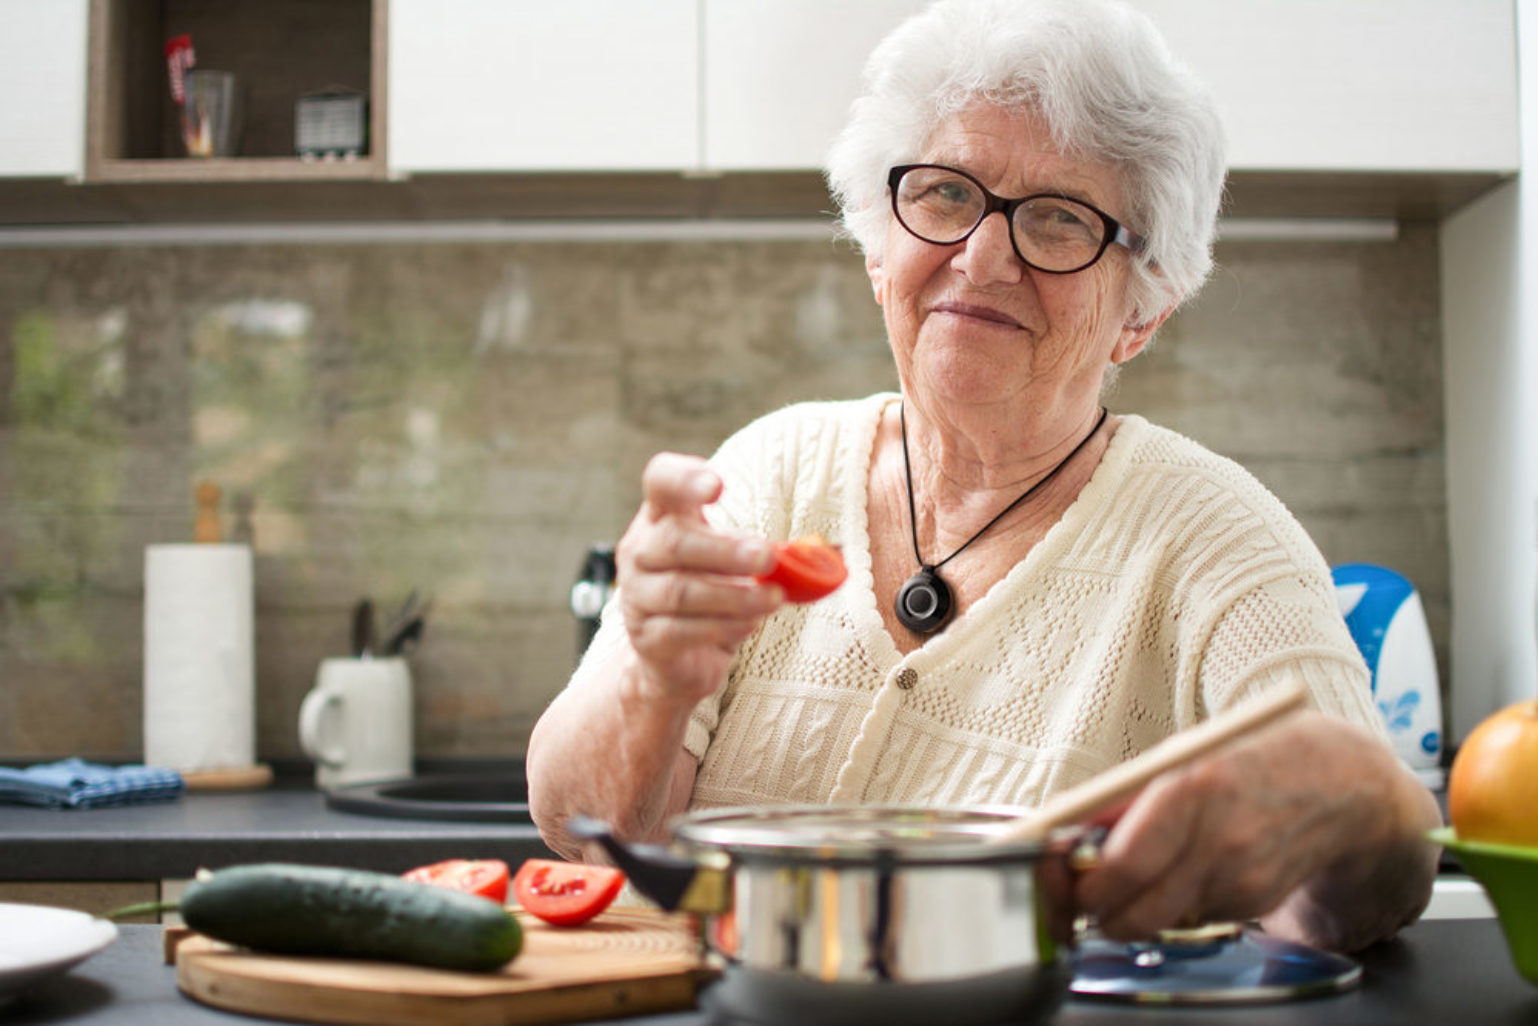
1101,77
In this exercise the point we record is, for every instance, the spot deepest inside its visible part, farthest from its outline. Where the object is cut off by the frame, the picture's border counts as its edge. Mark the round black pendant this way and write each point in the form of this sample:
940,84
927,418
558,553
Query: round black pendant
924,602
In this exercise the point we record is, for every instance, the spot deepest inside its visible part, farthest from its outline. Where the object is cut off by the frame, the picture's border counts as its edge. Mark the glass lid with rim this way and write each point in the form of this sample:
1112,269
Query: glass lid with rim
902,833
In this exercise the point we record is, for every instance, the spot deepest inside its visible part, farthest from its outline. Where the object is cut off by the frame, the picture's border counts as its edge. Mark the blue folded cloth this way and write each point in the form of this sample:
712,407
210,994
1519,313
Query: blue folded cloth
76,784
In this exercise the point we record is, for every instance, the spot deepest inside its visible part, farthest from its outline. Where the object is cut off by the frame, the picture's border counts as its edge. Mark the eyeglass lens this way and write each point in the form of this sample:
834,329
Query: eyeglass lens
1052,233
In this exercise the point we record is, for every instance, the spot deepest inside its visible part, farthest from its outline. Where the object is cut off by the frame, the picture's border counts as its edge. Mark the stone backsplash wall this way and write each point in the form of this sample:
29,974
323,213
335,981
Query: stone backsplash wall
466,419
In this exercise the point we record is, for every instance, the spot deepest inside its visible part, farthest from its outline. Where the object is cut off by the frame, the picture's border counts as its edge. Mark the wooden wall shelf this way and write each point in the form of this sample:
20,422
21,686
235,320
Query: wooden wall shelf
279,51
238,169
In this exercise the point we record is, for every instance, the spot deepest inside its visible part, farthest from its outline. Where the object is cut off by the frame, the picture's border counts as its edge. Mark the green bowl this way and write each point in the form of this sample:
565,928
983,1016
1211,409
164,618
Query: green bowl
1509,875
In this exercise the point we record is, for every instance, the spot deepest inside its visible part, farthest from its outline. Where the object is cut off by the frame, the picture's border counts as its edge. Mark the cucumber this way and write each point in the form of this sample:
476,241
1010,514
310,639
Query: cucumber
321,910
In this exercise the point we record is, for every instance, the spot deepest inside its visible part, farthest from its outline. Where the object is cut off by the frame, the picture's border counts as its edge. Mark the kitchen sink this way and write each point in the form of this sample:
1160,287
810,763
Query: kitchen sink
492,797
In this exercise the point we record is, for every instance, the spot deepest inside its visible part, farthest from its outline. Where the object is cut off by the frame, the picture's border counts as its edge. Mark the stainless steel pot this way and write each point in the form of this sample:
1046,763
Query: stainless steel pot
854,914
837,914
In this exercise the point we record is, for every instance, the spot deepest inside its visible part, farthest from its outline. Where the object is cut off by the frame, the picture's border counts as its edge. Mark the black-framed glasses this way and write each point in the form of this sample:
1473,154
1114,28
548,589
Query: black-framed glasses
1051,233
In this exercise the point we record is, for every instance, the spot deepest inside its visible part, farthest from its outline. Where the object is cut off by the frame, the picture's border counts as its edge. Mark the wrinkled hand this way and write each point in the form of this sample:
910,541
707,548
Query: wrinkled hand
1233,835
687,590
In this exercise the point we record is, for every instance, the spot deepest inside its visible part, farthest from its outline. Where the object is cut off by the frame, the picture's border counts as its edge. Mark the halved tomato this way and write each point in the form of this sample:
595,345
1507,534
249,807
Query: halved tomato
807,569
565,893
723,932
484,877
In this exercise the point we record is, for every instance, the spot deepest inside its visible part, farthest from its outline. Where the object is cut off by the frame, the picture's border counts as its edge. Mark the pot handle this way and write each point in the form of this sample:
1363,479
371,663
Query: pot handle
675,882
1125,779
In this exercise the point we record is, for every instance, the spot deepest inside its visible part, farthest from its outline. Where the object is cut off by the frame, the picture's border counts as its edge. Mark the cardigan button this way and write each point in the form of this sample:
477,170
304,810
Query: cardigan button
907,677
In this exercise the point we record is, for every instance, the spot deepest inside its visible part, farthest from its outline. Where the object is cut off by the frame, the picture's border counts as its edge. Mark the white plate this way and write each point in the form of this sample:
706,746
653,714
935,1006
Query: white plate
37,940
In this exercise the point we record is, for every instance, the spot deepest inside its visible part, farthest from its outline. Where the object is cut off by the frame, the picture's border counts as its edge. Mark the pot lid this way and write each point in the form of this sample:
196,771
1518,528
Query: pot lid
1247,967
905,834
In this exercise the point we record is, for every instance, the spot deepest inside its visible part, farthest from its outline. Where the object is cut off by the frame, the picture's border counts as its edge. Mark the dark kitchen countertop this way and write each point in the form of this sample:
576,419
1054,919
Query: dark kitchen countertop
287,822
1440,971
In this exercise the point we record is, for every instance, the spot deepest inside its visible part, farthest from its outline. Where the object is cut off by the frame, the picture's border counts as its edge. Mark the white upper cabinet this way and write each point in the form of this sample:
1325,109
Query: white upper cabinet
530,85
488,86
1302,85
42,87
1355,85
780,74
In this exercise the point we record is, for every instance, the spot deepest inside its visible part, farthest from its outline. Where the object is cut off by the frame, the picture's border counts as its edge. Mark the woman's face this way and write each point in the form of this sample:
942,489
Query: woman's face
969,323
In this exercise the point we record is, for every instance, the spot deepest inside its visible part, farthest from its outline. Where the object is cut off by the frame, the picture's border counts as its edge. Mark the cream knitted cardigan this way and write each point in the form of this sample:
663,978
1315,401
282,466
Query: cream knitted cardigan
1175,585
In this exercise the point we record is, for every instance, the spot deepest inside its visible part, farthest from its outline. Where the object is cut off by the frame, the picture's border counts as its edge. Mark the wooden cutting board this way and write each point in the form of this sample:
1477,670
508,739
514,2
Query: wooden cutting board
629,961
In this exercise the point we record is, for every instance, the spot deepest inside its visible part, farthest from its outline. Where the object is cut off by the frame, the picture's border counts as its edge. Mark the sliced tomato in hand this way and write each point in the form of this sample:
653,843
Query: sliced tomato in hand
565,893
484,877
806,569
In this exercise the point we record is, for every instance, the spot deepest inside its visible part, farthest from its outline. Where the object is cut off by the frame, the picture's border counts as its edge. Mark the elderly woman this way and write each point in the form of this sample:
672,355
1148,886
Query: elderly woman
1037,589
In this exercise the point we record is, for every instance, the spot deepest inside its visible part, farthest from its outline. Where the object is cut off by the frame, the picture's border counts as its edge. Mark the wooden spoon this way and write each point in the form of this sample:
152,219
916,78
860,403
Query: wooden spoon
1127,778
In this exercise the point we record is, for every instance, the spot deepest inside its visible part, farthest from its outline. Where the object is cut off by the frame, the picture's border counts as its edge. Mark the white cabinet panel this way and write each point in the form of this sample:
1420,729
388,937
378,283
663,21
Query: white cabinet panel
780,74
42,87
1392,85
1403,85
520,85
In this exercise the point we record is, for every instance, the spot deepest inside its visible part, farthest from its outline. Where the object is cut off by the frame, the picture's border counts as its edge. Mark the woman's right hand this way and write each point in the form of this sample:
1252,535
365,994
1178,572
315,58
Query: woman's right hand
687,591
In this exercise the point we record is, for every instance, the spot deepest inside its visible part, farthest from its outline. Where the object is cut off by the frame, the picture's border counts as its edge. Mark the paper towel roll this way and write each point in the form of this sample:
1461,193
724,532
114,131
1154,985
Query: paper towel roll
199,662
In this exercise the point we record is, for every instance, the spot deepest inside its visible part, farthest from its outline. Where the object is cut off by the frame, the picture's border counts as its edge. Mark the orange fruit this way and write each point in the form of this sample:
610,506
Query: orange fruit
1492,792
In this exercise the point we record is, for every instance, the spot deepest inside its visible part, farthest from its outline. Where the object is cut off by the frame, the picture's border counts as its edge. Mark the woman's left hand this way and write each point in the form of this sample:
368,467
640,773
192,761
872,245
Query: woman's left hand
1311,824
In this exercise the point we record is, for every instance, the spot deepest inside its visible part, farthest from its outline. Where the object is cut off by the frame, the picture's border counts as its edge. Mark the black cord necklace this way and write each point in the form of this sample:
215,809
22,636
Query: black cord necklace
924,602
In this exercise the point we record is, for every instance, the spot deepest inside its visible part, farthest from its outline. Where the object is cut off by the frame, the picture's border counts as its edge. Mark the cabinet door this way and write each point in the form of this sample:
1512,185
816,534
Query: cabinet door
1369,85
779,76
42,87
1304,85
529,85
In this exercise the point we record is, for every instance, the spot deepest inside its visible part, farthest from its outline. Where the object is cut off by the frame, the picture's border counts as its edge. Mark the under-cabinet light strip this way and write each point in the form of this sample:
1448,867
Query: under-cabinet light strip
1308,229
384,232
